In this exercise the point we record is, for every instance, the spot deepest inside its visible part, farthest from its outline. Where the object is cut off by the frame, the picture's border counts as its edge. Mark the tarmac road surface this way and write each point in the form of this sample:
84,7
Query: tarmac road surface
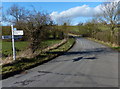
87,64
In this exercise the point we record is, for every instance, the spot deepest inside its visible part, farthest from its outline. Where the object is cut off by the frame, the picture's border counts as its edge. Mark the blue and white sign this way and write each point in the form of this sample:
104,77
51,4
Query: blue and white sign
6,37
10,37
16,34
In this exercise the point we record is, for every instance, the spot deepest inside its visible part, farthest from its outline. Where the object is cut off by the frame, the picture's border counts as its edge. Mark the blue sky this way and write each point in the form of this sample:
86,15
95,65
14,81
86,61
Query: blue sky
50,6
59,8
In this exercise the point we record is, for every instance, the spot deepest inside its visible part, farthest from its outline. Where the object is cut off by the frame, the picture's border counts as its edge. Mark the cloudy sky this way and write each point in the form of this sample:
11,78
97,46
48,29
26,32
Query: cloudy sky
82,12
77,11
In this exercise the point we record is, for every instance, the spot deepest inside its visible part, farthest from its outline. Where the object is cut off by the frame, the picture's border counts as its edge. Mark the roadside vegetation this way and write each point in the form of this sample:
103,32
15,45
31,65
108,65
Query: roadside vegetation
104,27
26,63
41,38
39,30
113,46
101,33
20,46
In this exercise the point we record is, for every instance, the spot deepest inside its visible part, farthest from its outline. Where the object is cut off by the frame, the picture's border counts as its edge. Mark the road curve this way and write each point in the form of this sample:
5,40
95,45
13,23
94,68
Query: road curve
87,64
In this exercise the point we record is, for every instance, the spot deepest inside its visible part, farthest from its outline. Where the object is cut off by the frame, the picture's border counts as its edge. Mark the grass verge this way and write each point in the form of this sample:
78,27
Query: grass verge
113,46
20,65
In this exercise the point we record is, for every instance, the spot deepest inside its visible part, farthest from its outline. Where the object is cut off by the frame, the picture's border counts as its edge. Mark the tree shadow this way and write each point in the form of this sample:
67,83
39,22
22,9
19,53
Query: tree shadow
75,59
79,58
87,51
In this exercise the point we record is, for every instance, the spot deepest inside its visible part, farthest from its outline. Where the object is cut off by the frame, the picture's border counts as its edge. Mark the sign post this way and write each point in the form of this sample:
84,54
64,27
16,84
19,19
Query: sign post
13,43
16,34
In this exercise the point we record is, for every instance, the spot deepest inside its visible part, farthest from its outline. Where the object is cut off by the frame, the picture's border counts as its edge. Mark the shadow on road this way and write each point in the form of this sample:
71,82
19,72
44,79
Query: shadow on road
79,58
87,51
89,57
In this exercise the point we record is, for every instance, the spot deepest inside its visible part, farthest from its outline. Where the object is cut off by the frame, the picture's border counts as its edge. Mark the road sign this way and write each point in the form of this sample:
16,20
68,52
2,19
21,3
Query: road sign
10,37
18,32
18,37
6,37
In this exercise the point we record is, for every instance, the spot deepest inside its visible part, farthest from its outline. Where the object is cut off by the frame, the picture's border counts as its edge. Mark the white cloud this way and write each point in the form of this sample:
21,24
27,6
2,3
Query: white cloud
116,0
79,11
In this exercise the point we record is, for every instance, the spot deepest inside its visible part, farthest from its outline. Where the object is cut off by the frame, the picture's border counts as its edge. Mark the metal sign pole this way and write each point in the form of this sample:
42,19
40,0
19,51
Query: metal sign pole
13,43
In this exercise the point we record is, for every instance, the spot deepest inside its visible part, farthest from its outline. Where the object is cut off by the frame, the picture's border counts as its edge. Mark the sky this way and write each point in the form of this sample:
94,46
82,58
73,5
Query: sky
77,11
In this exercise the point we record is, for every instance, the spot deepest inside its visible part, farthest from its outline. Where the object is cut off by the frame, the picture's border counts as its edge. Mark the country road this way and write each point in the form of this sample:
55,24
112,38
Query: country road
87,64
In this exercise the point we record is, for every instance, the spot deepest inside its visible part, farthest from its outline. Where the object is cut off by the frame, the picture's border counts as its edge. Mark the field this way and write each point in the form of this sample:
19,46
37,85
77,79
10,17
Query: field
7,47
22,45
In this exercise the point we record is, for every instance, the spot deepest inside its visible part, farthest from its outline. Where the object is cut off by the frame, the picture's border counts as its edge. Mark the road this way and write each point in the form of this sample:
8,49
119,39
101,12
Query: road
87,64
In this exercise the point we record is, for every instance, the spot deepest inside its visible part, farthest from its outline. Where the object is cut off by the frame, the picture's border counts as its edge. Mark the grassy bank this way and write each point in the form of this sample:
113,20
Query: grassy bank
113,46
23,64
22,45
117,48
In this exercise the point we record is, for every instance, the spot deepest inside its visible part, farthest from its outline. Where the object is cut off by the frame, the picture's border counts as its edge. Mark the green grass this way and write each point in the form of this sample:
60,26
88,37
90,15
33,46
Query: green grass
73,29
64,47
25,63
7,47
47,43
117,48
21,46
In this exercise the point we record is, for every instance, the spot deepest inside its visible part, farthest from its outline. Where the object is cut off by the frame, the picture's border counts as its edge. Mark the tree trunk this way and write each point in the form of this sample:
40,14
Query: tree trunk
54,35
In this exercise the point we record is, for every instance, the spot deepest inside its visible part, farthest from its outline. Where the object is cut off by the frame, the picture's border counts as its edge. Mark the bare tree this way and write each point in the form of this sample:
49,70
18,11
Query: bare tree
36,26
34,23
16,14
110,14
